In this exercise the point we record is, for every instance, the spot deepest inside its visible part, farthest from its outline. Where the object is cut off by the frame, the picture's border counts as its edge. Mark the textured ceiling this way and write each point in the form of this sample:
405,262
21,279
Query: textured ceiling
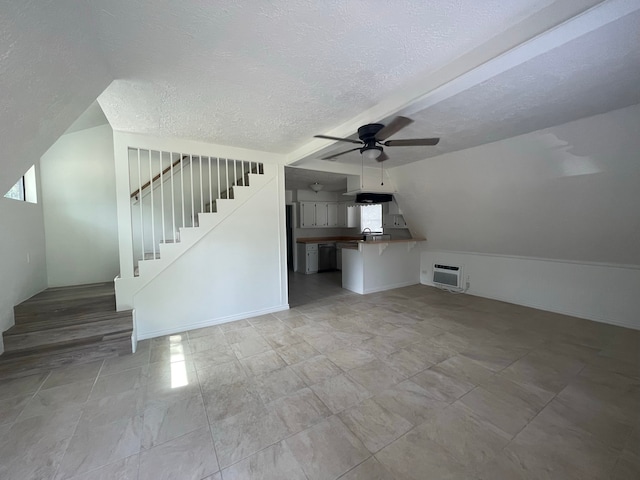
595,73
269,75
51,69
300,179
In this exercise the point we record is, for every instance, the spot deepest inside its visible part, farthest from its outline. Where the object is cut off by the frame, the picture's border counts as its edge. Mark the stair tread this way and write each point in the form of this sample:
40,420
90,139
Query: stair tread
64,325
93,321
18,365
45,322
55,294
65,335
64,302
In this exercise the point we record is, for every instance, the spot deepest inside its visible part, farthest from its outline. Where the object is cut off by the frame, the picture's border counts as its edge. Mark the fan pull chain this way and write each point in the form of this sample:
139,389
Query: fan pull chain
381,173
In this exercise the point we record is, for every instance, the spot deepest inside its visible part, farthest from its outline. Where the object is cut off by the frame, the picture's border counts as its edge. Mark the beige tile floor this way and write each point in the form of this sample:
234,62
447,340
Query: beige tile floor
412,383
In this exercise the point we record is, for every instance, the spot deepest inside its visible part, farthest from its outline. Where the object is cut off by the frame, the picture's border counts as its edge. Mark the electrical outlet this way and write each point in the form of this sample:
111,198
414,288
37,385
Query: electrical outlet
425,272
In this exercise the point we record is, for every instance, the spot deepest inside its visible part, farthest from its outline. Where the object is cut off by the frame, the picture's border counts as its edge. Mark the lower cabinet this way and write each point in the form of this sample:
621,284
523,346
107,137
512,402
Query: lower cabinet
307,258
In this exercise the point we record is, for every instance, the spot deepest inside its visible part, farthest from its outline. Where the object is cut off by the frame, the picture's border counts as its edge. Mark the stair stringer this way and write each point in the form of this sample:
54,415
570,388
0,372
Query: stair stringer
126,288
237,270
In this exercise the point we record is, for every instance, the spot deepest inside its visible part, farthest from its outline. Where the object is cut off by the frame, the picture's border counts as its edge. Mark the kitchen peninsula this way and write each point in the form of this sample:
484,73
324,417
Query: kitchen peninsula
369,267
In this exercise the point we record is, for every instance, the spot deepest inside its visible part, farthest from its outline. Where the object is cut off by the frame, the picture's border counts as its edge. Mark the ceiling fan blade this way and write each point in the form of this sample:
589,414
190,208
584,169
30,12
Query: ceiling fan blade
341,153
383,156
393,127
412,142
327,137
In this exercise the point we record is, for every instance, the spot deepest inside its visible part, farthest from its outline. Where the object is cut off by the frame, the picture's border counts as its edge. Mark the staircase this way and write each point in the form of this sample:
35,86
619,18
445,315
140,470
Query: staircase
62,326
186,238
206,219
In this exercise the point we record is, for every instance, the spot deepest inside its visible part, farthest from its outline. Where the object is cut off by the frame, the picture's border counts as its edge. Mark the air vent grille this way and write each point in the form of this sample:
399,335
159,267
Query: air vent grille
447,275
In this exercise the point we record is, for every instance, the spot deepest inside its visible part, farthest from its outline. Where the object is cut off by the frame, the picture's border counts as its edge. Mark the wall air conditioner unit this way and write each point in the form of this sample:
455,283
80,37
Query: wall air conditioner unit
447,276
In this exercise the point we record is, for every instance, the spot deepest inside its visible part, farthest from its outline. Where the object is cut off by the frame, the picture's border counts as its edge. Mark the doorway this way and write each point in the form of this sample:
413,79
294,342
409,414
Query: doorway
289,227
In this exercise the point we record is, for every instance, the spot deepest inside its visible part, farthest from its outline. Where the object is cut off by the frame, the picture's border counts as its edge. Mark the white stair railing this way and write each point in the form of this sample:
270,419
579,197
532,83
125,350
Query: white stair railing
170,189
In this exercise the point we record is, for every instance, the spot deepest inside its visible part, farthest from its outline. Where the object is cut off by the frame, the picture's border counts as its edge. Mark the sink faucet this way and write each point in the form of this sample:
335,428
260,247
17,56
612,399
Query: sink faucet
365,230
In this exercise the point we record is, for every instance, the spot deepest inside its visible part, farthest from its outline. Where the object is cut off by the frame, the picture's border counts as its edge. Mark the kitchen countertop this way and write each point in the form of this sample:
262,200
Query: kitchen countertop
354,244
328,239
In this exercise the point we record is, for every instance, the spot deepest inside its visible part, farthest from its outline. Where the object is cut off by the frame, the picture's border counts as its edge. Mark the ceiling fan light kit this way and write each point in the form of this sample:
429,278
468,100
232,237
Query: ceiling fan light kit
371,153
373,137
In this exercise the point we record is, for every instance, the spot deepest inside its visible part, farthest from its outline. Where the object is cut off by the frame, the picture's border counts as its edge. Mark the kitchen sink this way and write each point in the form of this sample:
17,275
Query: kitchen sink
376,238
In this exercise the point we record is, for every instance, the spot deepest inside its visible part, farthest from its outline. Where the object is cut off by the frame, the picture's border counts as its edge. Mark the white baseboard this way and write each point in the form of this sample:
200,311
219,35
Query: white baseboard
546,308
210,322
390,287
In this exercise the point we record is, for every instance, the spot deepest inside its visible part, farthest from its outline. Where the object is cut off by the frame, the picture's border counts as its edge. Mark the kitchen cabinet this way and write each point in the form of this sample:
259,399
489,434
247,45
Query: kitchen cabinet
307,215
342,215
307,258
322,214
392,208
394,221
332,214
318,214
353,216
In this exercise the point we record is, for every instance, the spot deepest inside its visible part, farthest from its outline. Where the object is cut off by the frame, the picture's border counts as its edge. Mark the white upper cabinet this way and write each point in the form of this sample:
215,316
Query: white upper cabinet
322,214
307,215
318,214
353,216
342,215
332,215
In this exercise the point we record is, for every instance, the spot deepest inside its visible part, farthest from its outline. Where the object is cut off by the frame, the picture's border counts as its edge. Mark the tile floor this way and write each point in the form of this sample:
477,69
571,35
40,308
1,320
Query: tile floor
412,383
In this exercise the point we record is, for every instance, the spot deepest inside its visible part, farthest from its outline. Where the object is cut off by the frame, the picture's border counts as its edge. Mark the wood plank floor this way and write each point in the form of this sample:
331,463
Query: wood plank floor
65,325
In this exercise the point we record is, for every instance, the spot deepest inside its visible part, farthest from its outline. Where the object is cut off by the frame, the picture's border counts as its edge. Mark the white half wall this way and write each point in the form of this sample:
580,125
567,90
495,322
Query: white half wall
238,270
79,201
23,269
379,266
600,292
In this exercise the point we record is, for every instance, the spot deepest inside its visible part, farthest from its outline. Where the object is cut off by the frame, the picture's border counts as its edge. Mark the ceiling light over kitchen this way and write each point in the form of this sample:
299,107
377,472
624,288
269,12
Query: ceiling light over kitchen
316,187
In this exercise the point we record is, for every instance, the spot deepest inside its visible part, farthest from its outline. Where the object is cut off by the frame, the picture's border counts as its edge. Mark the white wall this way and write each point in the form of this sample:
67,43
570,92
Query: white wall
568,192
600,292
562,201
237,270
79,201
22,256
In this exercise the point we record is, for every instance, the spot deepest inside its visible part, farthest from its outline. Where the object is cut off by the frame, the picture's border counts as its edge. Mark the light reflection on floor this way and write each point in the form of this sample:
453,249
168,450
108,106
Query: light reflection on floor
178,363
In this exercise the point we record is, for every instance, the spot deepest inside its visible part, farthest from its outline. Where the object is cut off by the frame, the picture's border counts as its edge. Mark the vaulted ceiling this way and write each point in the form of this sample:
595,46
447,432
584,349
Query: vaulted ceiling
270,75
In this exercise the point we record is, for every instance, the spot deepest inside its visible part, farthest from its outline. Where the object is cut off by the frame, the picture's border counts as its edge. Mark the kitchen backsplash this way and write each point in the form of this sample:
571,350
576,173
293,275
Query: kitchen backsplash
326,232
